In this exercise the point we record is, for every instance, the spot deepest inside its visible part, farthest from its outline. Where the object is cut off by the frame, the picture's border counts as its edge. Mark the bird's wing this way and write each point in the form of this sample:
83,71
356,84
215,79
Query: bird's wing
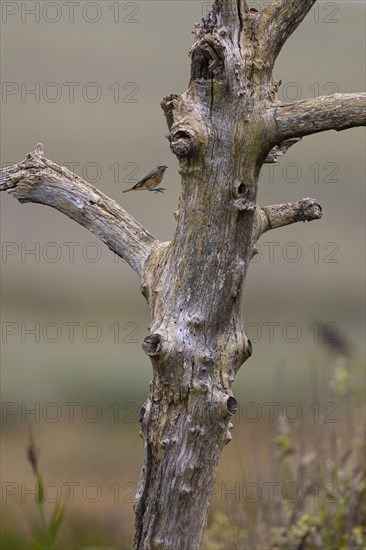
141,181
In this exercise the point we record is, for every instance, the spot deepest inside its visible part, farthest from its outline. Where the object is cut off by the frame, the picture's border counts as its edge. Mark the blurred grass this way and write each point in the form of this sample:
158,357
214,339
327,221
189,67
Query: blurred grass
80,458
307,481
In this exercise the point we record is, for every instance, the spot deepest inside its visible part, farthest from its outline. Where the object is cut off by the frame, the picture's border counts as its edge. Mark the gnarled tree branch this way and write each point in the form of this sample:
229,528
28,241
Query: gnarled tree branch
37,179
278,21
310,116
221,130
279,215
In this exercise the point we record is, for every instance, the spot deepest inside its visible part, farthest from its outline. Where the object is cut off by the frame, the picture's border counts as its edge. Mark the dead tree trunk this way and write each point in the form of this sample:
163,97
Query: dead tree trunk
226,125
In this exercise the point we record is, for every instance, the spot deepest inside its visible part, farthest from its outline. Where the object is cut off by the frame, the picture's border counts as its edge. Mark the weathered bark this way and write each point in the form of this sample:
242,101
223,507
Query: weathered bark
37,179
277,22
278,215
225,126
310,116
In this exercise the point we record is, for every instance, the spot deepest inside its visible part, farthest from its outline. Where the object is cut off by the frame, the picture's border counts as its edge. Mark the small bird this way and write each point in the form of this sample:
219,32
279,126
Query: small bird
150,181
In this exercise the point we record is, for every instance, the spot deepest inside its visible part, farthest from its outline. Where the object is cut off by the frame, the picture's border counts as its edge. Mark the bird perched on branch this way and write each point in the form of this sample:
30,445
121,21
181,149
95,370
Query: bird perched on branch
151,181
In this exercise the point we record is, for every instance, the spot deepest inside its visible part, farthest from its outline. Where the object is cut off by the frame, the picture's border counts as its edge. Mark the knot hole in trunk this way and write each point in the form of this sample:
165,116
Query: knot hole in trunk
246,193
152,345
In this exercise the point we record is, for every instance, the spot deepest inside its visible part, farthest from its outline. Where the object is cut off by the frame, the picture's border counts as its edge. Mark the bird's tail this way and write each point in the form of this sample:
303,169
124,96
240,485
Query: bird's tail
127,190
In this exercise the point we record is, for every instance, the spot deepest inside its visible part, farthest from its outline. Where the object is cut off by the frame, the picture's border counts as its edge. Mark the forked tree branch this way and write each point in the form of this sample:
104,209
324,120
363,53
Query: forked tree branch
279,215
310,116
220,130
39,180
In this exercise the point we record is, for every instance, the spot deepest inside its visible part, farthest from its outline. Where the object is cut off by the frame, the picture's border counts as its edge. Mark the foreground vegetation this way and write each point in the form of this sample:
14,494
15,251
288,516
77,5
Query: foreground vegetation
302,486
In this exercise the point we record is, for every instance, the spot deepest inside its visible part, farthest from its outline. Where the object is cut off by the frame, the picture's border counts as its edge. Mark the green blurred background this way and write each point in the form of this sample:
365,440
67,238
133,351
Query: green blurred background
134,54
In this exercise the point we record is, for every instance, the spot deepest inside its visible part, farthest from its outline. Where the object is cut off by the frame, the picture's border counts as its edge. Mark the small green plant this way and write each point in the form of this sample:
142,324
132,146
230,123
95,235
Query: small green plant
223,532
46,539
327,509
